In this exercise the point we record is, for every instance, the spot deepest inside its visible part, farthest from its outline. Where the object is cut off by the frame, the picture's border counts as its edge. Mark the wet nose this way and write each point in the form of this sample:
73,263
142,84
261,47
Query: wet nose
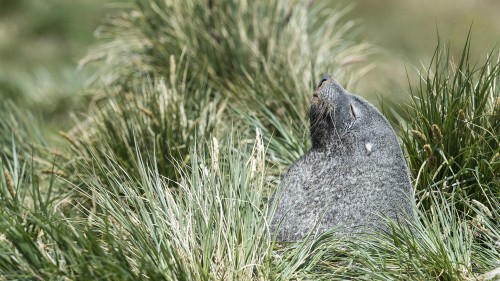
325,77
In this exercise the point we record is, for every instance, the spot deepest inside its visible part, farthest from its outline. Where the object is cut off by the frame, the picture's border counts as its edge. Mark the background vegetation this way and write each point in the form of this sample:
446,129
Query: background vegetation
155,156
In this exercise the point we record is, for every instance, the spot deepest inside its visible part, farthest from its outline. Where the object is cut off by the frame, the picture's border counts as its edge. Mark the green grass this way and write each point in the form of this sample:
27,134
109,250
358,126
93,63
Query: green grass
159,119
453,129
207,226
18,130
261,57
166,176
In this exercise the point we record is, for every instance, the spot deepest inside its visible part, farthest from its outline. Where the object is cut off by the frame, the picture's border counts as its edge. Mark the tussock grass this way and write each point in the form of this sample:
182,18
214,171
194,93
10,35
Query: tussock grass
441,245
37,242
262,57
453,133
167,176
211,225
20,130
156,118
208,226
232,42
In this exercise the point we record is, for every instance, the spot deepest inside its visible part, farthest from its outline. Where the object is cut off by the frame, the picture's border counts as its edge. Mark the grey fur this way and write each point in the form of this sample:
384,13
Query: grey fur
354,173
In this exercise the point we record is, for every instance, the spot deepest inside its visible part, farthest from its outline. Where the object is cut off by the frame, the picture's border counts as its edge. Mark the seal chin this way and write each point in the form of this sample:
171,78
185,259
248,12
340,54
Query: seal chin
315,100
319,111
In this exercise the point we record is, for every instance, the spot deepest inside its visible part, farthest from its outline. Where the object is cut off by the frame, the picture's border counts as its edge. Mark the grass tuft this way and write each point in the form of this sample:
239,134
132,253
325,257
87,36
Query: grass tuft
261,57
200,106
452,135
208,226
161,121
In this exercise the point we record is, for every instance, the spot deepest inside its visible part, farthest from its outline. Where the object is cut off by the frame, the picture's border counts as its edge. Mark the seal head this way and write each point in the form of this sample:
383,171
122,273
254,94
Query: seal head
332,113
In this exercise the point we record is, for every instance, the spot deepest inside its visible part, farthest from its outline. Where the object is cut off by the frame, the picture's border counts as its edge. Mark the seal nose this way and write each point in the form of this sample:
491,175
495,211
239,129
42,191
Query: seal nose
325,77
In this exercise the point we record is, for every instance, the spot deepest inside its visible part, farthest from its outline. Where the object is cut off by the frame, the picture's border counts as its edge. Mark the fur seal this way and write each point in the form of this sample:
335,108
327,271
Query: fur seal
354,173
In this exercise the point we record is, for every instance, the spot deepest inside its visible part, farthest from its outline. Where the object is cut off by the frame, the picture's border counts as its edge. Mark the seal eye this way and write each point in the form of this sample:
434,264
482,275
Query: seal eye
325,77
354,110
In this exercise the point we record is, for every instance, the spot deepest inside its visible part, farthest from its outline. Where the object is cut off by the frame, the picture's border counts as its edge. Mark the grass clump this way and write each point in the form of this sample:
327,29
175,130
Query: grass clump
262,57
442,245
453,130
19,132
207,226
37,241
167,189
232,42
162,119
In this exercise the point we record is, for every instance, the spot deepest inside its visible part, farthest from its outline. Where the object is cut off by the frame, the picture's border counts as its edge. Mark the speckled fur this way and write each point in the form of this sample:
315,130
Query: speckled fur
354,172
